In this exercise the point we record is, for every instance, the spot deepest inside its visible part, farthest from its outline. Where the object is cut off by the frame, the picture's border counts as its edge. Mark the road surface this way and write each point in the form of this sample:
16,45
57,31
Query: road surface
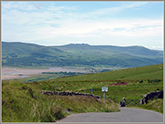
125,115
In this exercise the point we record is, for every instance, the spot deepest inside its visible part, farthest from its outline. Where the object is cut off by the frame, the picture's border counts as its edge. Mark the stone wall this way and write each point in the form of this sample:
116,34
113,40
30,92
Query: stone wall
146,97
63,93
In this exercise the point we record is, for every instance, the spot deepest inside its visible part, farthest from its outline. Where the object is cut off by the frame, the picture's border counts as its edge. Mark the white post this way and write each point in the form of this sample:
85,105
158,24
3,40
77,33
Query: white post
104,96
91,91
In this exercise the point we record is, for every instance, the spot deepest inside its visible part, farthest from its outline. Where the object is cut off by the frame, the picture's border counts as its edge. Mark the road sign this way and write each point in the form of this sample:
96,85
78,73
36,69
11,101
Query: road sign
104,89
91,89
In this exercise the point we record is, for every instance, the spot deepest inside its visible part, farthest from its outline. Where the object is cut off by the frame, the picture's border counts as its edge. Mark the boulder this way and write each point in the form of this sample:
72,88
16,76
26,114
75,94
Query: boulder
146,97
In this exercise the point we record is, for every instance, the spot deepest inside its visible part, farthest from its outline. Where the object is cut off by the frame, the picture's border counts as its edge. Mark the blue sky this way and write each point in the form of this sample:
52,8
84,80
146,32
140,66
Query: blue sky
94,23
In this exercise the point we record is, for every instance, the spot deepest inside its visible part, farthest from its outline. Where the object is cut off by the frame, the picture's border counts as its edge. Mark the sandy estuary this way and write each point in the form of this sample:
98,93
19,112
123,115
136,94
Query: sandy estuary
12,73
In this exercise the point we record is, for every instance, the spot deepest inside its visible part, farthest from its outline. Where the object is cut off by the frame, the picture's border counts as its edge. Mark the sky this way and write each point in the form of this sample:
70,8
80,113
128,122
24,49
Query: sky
94,23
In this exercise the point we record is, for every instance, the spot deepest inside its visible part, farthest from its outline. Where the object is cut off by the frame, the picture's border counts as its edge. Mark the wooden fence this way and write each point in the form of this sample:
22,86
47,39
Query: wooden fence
132,102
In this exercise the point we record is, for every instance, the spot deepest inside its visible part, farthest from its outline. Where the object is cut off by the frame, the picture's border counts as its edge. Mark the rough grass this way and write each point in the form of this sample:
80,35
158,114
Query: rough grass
79,104
156,105
22,102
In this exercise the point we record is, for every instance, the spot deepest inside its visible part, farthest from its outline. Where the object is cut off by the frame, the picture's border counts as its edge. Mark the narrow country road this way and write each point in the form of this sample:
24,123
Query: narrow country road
125,115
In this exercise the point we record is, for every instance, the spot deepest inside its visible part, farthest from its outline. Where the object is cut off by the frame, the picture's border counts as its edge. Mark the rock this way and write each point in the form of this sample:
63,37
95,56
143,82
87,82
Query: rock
146,97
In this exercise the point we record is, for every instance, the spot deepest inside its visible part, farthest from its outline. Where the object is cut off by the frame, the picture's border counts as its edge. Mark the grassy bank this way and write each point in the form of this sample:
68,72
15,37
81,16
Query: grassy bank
154,105
22,102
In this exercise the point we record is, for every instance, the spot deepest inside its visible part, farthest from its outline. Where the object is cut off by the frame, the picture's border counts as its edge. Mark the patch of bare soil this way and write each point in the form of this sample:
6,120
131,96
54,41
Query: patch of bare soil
119,83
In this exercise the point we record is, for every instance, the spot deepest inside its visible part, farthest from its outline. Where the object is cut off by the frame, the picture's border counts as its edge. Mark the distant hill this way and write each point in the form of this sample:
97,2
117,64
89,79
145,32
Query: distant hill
19,54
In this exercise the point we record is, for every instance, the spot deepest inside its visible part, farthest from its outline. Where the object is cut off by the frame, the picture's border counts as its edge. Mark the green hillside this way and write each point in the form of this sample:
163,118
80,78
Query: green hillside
138,73
140,81
23,102
17,54
107,49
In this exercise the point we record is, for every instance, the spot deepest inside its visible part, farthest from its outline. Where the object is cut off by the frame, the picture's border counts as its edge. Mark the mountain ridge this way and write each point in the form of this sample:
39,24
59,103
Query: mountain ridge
26,54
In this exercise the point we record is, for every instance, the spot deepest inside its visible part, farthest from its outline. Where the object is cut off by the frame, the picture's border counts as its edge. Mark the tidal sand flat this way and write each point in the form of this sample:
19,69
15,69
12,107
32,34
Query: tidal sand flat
11,73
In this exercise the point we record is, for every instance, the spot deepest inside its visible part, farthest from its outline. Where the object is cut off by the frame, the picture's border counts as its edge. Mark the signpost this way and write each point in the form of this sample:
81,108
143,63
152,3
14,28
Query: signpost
91,91
104,89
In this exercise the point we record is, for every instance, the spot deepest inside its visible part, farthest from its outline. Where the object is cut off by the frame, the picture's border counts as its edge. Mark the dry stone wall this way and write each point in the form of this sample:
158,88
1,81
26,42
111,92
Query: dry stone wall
146,97
63,93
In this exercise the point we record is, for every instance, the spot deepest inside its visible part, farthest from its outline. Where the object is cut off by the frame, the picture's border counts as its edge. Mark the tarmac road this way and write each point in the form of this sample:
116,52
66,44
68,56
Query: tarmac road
125,115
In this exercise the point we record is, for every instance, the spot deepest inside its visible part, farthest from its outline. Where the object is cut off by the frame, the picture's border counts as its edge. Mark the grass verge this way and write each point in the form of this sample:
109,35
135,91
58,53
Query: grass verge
22,102
155,105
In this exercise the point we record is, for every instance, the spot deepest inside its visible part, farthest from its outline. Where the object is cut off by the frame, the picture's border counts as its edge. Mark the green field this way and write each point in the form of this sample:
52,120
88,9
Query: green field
48,75
22,102
139,73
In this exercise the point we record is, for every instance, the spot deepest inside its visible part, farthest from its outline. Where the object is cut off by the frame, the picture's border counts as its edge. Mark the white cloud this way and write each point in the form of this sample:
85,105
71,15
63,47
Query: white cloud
38,5
157,47
41,23
25,6
55,22
135,4
112,10
130,28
